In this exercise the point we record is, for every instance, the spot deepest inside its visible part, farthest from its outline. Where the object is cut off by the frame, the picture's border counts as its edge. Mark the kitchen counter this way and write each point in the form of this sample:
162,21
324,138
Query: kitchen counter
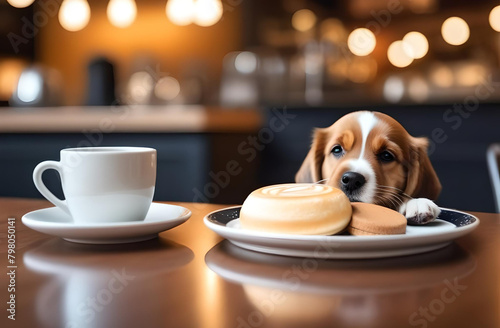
192,143
133,119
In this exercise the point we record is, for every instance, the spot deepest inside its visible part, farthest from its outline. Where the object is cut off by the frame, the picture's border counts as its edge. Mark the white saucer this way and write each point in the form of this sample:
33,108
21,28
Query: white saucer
54,221
450,225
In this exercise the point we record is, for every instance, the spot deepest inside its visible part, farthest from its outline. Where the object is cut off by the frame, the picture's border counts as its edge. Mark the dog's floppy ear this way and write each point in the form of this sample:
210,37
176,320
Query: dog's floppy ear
310,171
422,180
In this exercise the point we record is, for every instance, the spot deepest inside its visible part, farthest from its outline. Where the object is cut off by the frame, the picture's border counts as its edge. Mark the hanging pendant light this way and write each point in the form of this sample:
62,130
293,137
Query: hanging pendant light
121,13
20,3
74,15
180,12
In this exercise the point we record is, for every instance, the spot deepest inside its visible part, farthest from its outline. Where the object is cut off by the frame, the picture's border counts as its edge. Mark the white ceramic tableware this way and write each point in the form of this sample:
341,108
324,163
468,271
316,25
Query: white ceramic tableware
450,224
103,184
56,222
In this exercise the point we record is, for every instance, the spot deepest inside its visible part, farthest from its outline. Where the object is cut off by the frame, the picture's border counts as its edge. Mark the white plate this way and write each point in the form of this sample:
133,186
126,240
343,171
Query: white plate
450,225
54,221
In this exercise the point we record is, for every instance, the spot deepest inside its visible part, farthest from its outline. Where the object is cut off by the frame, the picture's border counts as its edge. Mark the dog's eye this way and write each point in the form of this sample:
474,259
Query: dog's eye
337,151
386,156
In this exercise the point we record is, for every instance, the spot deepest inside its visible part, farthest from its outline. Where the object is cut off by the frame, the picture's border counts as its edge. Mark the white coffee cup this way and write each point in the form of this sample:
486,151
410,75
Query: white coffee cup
103,184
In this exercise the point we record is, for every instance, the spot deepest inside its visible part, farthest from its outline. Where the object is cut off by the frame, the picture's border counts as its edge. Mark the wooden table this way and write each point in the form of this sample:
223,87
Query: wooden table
170,282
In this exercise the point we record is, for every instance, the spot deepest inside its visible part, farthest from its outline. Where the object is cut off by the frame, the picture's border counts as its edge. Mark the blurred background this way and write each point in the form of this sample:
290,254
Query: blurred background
205,81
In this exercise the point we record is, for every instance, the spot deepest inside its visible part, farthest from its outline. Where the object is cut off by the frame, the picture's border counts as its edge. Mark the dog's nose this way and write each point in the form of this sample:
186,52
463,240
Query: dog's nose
352,180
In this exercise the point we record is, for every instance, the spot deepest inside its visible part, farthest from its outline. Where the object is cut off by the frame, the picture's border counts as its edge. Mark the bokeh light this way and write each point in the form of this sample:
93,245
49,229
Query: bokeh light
394,89
74,15
333,30
167,88
20,3
362,69
418,89
442,76
397,55
29,86
181,12
121,13
455,31
140,87
207,12
337,69
470,75
495,18
245,62
415,45
361,42
303,20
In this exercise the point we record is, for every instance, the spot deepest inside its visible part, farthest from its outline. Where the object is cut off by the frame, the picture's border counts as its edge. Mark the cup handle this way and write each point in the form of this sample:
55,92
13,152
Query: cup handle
37,179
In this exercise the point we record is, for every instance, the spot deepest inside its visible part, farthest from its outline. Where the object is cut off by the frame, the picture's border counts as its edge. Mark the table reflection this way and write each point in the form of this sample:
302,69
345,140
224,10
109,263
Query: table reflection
92,284
291,292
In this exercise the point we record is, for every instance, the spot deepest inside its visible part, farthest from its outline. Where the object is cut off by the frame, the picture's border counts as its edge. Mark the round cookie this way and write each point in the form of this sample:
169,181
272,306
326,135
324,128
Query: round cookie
370,219
296,208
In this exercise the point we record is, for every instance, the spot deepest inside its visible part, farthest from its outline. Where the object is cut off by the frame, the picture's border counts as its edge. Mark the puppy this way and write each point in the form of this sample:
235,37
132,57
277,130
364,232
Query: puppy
373,159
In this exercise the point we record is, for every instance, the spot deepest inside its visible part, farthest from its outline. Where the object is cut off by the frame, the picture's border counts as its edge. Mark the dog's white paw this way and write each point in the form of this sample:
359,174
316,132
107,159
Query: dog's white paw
419,211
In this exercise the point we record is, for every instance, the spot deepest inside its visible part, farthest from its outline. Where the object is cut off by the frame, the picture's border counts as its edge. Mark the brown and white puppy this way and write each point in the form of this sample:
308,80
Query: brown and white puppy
373,159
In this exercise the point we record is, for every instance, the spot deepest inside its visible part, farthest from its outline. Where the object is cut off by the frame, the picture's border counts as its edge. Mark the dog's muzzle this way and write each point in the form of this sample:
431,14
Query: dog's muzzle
351,183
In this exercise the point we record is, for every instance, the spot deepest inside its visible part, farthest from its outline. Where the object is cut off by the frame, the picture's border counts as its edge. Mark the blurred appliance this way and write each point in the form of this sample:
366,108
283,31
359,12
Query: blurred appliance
101,83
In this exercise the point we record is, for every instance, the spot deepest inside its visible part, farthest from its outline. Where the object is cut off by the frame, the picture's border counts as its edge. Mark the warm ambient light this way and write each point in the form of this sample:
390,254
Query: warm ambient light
303,20
415,45
455,31
470,75
10,70
418,89
442,76
20,3
397,56
207,12
495,18
74,15
121,13
361,42
333,30
362,69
